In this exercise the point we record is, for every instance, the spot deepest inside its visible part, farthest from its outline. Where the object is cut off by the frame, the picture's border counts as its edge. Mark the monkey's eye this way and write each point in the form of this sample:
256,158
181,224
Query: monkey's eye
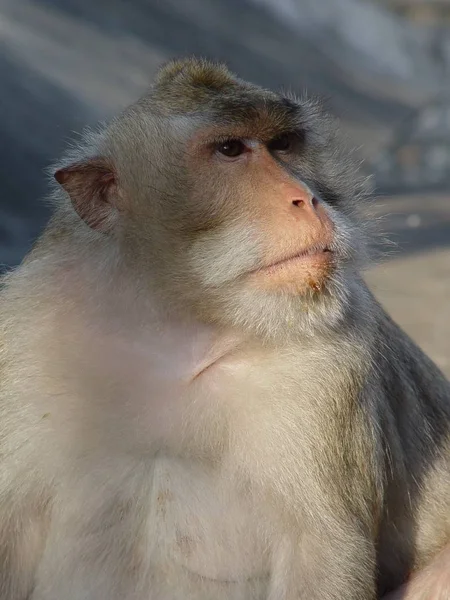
281,143
231,148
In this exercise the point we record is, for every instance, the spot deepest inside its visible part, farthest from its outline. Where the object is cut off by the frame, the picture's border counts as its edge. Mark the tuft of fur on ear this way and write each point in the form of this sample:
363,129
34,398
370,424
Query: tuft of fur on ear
92,187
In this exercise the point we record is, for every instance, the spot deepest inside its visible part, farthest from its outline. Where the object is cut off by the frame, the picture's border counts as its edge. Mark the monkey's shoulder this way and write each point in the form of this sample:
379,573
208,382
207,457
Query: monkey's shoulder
406,373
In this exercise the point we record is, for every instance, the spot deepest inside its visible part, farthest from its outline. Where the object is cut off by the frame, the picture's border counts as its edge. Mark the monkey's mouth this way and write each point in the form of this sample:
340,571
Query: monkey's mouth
306,270
315,255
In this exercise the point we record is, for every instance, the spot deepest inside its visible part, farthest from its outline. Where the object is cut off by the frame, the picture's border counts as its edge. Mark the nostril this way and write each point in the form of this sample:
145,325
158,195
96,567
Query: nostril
314,202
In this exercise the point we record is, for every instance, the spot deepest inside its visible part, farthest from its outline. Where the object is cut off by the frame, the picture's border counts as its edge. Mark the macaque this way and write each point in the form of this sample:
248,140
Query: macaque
200,399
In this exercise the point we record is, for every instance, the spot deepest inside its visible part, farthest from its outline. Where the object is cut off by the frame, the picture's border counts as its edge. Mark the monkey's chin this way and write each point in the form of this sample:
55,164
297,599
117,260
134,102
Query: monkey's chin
301,274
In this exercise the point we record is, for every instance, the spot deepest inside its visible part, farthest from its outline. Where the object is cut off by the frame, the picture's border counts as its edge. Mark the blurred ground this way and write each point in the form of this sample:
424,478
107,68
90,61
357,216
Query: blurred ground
415,286
416,292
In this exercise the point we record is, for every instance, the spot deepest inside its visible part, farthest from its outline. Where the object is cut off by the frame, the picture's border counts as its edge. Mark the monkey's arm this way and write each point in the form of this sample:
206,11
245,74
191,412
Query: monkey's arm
25,492
433,583
22,540
415,419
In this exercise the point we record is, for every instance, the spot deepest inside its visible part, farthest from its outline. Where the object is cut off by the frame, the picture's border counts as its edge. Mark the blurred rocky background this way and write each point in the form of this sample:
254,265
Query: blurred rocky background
383,67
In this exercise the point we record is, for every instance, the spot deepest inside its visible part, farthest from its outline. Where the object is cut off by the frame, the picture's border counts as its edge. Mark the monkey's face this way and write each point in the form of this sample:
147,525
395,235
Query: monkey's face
270,248
263,231
234,201
270,232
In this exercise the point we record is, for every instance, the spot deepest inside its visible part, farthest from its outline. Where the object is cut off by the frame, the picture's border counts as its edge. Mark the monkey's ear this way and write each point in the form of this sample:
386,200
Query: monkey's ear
92,187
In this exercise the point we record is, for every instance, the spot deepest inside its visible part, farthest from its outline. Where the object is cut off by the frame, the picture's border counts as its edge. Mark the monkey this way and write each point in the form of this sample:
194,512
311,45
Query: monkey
200,397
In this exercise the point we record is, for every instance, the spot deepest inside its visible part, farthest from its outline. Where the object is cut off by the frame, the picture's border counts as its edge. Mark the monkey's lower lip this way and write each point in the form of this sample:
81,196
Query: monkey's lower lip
318,257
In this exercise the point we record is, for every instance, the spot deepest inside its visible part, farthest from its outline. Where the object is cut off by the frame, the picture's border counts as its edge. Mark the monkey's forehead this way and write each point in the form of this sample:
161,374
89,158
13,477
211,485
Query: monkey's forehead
195,86
247,112
249,107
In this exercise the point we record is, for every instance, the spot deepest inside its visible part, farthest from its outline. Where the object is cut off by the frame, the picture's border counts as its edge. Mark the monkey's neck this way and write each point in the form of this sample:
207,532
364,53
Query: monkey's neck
102,308
105,312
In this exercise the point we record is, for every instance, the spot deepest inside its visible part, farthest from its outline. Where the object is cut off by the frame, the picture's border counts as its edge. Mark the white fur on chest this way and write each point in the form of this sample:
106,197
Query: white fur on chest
201,518
208,502
214,521
208,522
201,524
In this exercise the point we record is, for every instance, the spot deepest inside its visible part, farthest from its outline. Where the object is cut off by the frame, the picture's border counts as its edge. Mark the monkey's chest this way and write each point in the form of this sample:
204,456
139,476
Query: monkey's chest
201,525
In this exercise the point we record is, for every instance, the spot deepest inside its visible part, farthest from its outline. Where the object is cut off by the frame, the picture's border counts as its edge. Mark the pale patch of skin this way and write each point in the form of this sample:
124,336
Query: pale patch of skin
153,366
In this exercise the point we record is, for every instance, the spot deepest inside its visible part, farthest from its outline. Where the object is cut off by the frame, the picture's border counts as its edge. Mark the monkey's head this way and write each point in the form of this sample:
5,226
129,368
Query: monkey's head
233,202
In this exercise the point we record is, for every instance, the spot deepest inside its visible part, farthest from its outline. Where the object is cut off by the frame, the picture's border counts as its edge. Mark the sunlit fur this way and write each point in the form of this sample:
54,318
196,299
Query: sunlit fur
169,430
